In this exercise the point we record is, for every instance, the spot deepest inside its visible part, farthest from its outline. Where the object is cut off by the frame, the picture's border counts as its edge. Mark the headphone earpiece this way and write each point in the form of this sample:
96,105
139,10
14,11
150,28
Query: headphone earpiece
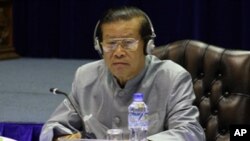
96,40
150,46
97,45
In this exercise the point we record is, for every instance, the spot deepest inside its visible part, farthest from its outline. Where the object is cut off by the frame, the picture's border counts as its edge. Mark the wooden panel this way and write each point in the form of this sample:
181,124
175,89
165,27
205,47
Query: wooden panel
6,30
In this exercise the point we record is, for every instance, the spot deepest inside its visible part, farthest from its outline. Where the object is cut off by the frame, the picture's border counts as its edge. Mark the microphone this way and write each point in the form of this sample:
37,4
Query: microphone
55,91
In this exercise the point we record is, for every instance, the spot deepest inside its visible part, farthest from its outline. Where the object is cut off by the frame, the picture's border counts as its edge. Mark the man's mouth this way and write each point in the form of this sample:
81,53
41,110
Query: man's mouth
119,64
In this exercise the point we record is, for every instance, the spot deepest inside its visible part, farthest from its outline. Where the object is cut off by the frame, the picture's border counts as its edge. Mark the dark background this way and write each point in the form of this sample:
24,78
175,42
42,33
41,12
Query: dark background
64,28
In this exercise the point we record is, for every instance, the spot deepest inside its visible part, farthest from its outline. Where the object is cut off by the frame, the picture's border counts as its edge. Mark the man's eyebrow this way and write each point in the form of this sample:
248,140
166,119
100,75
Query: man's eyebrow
122,36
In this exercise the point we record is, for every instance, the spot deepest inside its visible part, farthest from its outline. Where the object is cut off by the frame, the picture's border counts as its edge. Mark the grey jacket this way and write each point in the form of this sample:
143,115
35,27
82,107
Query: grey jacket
167,89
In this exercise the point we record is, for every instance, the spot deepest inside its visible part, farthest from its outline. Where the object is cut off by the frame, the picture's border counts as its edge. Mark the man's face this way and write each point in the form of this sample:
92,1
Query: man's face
123,48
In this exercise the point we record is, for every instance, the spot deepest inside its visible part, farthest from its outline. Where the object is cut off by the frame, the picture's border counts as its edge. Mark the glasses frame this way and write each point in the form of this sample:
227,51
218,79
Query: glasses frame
128,44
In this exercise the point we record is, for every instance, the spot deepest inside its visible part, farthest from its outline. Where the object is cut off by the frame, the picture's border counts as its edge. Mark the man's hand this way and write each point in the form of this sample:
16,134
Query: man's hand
71,136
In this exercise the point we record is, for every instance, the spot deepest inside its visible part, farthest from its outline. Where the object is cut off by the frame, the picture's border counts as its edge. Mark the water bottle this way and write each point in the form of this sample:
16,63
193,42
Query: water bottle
138,119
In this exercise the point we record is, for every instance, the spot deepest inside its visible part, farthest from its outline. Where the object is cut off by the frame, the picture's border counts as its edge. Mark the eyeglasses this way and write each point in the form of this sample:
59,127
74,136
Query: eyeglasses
128,44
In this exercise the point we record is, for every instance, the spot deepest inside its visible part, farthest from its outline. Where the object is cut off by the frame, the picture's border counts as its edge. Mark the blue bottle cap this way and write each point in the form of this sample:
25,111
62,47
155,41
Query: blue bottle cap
138,97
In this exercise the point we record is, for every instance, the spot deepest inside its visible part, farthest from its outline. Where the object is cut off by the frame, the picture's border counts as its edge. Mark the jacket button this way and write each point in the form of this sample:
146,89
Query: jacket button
117,120
121,93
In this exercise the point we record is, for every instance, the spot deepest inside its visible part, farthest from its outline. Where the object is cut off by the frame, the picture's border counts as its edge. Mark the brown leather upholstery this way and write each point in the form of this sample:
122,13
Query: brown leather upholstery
221,81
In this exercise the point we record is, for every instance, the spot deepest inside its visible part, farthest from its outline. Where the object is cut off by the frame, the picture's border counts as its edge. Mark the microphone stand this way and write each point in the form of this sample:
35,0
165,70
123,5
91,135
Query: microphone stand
83,133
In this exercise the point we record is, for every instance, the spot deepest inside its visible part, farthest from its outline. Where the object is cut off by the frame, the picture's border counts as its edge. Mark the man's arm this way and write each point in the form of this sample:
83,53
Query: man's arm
64,121
182,120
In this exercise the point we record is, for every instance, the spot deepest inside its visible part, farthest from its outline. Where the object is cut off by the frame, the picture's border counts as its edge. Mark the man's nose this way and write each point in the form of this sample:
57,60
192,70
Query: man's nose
119,51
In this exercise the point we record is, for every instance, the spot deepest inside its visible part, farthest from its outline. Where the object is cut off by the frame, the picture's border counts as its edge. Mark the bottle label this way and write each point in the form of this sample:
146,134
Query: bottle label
138,120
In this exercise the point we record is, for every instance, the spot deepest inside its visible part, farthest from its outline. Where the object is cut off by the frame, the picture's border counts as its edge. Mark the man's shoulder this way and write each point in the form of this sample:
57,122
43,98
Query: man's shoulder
91,69
165,65
89,72
91,66
166,71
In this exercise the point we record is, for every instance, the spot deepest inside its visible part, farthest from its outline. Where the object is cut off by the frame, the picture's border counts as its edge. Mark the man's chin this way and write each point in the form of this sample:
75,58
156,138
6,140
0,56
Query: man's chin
121,76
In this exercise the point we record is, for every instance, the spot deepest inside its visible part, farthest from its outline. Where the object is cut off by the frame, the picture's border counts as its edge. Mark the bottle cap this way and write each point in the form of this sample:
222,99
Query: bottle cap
138,97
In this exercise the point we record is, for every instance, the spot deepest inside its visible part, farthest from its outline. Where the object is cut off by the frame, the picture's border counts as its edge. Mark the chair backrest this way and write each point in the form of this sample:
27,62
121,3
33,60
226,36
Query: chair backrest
221,81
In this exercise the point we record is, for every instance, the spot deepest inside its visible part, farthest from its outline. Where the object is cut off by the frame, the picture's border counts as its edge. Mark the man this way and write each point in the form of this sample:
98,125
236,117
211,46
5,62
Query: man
103,90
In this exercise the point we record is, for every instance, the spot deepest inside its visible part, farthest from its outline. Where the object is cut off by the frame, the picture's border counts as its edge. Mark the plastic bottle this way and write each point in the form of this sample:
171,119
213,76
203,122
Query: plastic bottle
138,118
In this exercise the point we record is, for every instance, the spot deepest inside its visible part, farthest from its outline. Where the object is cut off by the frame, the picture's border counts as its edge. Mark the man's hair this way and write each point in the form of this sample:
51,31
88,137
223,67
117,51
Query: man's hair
127,13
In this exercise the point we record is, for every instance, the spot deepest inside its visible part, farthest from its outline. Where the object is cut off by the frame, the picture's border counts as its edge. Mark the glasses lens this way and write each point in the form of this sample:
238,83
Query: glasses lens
109,46
130,44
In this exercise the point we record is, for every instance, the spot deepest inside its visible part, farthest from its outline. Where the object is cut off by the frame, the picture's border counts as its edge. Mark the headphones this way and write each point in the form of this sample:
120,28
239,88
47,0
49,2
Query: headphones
149,47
